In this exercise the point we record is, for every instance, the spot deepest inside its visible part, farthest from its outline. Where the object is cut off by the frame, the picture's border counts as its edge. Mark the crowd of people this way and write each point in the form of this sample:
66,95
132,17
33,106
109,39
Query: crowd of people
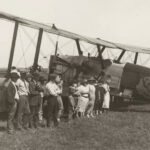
32,98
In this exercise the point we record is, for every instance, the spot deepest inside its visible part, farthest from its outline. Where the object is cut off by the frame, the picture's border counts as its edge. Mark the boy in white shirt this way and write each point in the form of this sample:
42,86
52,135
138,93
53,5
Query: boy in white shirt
52,92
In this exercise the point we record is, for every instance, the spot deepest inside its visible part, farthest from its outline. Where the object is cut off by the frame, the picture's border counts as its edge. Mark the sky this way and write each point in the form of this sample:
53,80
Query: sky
122,21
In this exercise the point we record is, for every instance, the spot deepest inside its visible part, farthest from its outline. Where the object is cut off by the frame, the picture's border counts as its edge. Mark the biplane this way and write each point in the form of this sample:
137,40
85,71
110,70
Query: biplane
124,76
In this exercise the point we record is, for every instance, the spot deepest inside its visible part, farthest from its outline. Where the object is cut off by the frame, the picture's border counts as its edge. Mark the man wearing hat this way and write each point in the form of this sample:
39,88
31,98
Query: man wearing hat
12,100
14,69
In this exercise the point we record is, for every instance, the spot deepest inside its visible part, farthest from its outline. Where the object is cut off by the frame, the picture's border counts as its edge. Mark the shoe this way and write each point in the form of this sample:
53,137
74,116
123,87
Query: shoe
70,121
49,125
27,128
19,129
92,116
96,112
77,116
10,132
58,119
32,130
88,116
100,112
37,127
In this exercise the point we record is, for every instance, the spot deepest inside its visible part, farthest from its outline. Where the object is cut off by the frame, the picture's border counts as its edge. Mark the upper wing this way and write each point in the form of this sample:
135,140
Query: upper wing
74,36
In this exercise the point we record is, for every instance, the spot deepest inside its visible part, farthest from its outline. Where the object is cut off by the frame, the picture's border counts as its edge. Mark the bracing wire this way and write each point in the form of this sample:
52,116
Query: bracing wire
65,44
52,41
96,54
108,54
129,55
140,58
93,50
146,61
26,49
88,49
34,43
73,49
112,54
84,47
22,47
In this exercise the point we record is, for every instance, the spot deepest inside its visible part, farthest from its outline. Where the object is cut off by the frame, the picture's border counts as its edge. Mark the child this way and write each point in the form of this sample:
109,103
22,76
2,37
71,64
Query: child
52,101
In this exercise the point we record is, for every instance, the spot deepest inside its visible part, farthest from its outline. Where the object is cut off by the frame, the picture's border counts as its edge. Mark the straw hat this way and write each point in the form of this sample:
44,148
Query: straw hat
15,71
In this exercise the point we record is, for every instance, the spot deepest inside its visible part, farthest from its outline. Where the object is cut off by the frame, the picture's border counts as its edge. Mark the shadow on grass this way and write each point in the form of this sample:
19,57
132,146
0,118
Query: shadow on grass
3,116
3,129
132,106
130,110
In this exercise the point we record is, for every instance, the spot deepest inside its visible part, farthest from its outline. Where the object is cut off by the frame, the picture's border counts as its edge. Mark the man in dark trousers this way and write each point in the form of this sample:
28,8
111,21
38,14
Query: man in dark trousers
12,100
53,92
34,100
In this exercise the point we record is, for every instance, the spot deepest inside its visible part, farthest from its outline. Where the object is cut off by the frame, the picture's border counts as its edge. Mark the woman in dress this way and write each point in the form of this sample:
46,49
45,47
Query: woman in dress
92,93
83,100
106,93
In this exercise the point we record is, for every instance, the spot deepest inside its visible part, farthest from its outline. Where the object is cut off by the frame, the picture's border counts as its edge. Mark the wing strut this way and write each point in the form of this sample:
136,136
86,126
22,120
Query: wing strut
38,49
120,56
13,47
79,48
102,50
56,48
136,58
100,55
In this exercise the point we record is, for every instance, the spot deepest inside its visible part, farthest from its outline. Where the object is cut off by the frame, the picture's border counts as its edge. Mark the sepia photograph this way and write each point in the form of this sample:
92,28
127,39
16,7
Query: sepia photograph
74,75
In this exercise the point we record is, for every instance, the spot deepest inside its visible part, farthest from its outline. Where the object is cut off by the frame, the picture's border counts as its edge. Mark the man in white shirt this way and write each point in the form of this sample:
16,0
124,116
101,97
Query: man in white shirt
23,104
52,91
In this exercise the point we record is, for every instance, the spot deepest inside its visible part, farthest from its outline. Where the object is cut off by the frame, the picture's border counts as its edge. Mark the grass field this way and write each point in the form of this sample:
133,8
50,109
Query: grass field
128,130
